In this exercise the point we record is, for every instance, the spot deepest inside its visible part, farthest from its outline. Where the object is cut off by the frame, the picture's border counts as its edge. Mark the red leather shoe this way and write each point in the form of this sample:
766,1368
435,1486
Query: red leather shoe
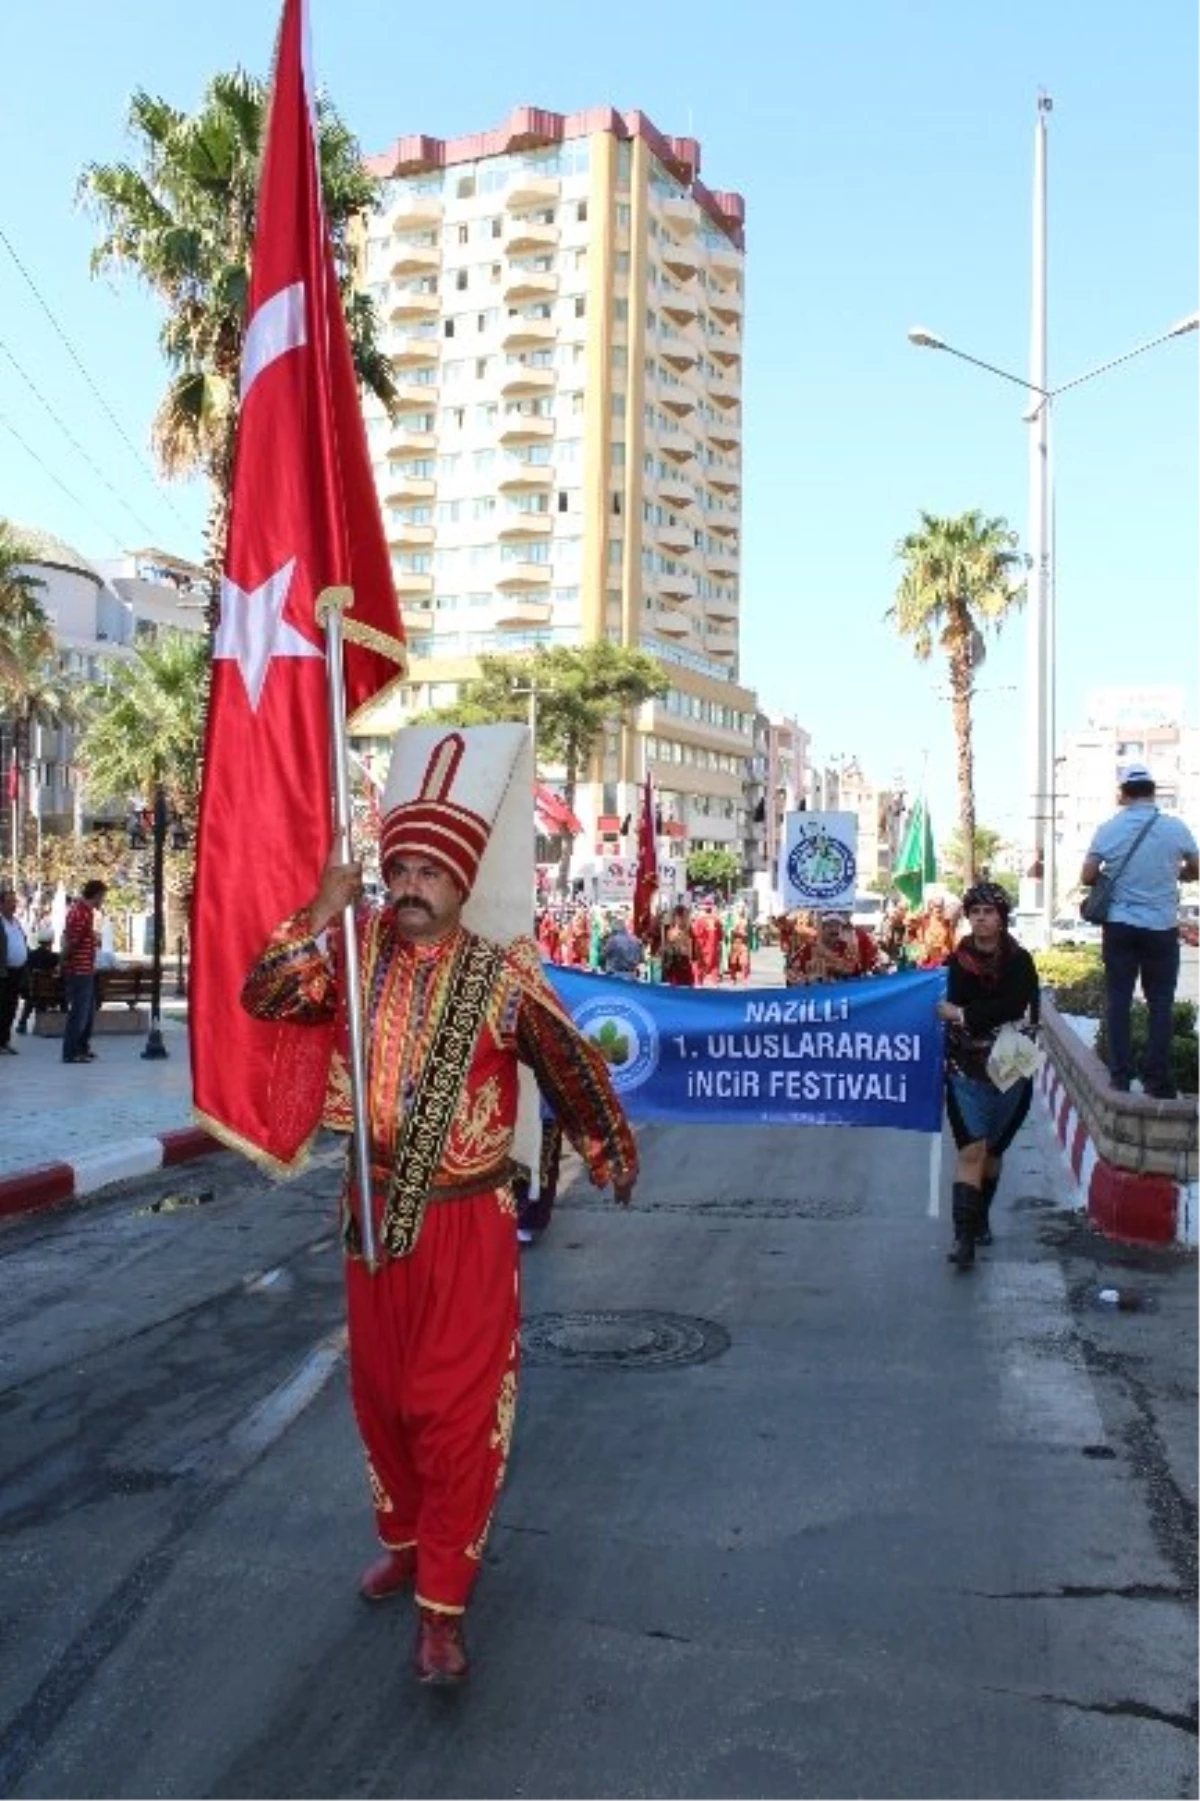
389,1574
441,1649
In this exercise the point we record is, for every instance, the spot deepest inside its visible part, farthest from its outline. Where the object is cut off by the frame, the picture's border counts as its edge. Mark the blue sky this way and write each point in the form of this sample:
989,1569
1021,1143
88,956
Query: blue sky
885,151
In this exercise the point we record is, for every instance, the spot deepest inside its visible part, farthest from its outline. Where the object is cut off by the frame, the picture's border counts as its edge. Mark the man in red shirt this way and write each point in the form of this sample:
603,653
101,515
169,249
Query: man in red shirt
79,946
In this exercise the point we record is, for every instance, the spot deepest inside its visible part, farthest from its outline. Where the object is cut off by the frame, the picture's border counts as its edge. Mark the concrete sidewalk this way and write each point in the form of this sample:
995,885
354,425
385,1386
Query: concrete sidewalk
102,1122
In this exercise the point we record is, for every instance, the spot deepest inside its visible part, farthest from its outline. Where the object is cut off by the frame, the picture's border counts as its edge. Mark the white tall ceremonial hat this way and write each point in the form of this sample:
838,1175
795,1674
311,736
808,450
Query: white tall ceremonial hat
462,796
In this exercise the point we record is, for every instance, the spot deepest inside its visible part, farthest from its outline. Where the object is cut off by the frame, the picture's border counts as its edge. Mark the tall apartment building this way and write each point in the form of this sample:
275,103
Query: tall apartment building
562,301
1124,725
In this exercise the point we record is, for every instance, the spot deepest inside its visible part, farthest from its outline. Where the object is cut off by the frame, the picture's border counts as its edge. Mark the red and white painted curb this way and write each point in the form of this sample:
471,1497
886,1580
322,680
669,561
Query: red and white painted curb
47,1185
1140,1207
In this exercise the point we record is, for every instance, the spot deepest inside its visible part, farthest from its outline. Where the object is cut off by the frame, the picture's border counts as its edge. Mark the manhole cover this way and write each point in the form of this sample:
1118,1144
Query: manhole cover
621,1341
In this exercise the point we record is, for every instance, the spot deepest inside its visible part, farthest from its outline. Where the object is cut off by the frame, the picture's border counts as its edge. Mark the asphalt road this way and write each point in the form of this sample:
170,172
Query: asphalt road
853,1524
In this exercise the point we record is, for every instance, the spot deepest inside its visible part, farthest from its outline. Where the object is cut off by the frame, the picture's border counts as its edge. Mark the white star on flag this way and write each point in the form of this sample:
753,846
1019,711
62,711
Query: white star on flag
253,629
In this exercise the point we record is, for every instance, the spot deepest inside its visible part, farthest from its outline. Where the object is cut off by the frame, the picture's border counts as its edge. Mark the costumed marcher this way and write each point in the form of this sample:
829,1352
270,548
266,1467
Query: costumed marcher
706,931
797,931
934,931
838,952
894,945
991,982
739,945
549,937
453,1003
577,939
534,1211
678,950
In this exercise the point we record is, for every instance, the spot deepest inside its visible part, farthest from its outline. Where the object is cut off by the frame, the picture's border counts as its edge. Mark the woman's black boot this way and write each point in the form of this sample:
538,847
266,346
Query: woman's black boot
983,1231
966,1218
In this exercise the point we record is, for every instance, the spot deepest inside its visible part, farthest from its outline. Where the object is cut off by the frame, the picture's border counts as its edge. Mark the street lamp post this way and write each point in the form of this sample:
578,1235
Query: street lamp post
1038,883
155,1048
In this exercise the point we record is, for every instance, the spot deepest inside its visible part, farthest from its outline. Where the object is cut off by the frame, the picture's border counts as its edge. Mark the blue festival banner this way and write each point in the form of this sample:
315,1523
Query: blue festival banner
862,1053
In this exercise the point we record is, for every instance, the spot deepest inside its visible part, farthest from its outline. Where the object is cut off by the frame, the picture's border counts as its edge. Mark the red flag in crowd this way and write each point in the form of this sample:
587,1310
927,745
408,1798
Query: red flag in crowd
646,882
305,518
552,815
14,778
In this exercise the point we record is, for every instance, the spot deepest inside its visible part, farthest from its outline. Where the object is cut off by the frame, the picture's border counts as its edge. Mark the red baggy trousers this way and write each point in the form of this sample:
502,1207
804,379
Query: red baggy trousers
433,1374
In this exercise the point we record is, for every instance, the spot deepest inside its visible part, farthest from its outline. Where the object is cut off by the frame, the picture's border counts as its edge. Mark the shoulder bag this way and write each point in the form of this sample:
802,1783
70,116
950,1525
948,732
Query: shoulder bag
1097,902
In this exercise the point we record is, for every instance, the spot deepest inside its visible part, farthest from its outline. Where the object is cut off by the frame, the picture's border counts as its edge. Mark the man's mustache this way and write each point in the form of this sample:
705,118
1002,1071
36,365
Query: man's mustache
412,900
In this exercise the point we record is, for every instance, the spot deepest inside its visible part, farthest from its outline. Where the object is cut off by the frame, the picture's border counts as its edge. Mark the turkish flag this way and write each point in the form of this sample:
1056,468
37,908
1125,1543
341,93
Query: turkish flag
304,518
645,885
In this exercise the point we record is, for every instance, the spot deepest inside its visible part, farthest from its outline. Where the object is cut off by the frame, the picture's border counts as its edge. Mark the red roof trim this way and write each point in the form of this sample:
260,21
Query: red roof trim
534,127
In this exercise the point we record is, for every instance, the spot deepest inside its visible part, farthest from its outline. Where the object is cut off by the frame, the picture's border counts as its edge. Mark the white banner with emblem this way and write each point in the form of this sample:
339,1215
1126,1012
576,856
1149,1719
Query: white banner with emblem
818,861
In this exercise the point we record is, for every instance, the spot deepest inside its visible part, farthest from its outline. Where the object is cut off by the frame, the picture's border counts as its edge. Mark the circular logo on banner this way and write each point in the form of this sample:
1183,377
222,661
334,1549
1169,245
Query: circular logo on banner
821,866
626,1037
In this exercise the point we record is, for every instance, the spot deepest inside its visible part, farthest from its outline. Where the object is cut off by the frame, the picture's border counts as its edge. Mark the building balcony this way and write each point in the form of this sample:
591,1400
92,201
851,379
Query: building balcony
417,619
681,309
414,397
682,355
680,401
681,261
725,393
678,586
728,437
672,624
528,334
520,378
679,216
518,614
677,540
415,259
402,490
524,285
409,537
524,575
726,481
416,212
411,304
517,477
517,524
409,582
721,612
411,443
525,428
411,352
527,237
726,305
724,562
677,490
675,442
723,648
725,263
528,191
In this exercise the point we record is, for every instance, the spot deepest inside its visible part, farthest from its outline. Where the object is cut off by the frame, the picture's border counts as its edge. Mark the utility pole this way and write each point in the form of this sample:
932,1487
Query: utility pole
1035,884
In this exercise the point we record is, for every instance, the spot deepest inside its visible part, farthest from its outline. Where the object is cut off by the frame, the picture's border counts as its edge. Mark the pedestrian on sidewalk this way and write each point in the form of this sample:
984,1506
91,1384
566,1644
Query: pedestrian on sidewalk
1148,854
14,971
449,1015
991,982
81,942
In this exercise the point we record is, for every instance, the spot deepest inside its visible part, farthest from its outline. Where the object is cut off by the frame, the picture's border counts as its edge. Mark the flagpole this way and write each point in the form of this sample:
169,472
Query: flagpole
329,611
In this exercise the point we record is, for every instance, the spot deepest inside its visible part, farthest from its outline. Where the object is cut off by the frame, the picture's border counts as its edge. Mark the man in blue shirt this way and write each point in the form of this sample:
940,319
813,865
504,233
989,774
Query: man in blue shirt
1141,933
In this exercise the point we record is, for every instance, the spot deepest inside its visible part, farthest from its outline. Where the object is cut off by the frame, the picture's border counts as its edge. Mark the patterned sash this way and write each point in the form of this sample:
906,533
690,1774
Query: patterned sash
477,965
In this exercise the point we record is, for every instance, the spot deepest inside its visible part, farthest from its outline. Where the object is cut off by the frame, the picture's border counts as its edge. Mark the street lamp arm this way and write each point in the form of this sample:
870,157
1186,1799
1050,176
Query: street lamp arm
925,340
1177,331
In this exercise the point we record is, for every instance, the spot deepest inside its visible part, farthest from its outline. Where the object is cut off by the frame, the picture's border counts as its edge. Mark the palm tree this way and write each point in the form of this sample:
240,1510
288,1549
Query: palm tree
581,690
144,725
960,576
19,604
33,688
182,217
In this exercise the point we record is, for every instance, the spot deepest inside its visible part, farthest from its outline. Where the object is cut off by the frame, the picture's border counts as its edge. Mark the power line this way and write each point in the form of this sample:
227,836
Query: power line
82,505
77,446
107,410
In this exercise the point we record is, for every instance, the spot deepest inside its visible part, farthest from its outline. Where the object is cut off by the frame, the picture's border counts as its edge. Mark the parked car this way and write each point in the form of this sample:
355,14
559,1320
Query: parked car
868,911
1073,930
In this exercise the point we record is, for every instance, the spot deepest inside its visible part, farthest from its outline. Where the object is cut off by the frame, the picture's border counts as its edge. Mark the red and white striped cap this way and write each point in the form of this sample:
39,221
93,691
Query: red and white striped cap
443,793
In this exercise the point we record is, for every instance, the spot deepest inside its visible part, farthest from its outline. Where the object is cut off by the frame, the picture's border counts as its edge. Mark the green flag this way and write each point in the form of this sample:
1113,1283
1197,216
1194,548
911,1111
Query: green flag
916,865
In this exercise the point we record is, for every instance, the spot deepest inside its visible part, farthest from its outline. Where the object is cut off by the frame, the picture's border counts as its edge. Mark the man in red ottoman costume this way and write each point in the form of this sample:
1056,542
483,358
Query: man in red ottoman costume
449,1015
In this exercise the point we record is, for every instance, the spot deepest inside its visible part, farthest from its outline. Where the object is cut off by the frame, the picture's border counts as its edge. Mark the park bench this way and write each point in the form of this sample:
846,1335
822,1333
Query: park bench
126,985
